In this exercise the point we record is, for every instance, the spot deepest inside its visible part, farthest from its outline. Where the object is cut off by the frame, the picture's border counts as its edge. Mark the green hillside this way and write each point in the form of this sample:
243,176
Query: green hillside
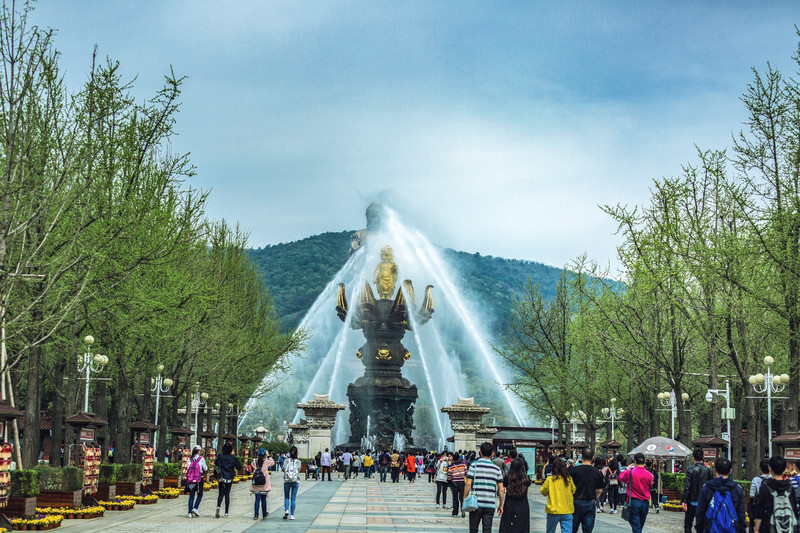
297,272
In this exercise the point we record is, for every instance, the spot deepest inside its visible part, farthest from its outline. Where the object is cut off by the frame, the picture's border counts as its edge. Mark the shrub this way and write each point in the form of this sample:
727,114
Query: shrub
50,478
745,485
24,483
672,481
108,474
73,478
173,469
159,470
129,473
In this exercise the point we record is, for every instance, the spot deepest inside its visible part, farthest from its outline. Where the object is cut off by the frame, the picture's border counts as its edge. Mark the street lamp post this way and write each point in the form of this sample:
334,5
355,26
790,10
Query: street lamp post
552,421
160,386
199,400
769,383
669,399
612,413
728,412
90,364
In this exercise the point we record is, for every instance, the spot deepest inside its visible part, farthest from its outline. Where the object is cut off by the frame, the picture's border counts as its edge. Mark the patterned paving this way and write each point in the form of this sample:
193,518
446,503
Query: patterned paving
355,506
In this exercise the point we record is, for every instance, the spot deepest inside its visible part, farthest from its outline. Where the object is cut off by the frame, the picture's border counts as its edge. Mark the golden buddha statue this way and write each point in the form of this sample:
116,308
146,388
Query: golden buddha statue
385,278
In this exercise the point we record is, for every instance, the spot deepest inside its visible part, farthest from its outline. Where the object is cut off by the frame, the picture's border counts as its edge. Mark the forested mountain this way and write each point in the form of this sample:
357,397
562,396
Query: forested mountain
295,273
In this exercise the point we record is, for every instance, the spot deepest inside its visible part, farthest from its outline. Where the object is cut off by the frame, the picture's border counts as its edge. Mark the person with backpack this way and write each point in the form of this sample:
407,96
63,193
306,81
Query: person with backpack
776,506
755,486
260,485
383,462
194,479
226,465
696,476
442,483
291,482
720,506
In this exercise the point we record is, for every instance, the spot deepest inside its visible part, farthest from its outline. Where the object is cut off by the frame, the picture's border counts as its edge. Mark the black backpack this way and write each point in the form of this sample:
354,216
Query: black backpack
259,478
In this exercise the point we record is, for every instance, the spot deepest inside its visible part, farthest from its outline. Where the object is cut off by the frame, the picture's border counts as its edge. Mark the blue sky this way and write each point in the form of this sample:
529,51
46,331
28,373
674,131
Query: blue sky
496,127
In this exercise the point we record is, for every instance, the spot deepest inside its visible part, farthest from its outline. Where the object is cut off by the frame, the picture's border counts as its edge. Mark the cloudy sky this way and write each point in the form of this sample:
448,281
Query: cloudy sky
496,127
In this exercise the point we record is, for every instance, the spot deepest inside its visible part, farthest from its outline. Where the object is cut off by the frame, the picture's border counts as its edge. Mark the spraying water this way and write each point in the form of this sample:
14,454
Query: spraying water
451,356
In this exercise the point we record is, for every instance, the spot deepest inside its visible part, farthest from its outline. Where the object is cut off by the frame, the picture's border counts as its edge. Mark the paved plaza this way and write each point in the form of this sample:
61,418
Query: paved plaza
358,505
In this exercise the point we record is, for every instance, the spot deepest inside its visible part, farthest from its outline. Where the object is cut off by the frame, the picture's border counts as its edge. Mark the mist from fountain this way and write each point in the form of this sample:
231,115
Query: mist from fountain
329,362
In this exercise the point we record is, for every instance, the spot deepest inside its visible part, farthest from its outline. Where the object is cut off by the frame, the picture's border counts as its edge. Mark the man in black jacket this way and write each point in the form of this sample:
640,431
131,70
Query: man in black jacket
721,484
696,476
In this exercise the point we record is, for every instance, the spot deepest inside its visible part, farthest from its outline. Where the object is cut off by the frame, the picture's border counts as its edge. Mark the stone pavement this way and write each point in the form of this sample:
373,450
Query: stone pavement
357,506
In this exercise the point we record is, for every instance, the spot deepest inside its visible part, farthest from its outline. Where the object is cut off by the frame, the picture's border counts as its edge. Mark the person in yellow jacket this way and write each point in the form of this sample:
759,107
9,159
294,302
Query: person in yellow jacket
559,489
367,461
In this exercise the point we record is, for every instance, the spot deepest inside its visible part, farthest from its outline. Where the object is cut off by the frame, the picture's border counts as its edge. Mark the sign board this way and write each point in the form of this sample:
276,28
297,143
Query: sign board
528,444
144,438
792,453
182,441
530,457
87,434
709,453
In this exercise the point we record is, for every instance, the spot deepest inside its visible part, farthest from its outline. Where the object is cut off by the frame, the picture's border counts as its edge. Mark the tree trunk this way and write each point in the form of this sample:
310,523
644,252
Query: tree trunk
736,439
57,435
122,451
33,400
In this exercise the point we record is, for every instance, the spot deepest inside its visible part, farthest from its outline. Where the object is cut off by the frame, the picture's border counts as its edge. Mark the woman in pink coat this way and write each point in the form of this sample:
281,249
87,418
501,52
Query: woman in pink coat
262,463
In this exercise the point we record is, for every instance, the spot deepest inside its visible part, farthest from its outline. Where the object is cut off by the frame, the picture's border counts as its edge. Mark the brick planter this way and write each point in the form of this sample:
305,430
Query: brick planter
48,498
20,507
129,488
106,492
156,484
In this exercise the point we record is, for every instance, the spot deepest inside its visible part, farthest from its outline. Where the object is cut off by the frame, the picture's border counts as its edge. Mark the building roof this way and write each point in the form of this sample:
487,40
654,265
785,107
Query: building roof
520,436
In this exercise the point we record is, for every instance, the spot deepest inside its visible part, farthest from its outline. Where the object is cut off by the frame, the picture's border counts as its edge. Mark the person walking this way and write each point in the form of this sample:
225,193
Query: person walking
458,475
227,464
696,476
441,480
356,464
368,462
347,461
194,479
516,517
589,484
559,490
720,506
384,462
430,467
486,479
291,482
640,481
260,486
411,468
394,461
325,463
612,486
755,486
776,503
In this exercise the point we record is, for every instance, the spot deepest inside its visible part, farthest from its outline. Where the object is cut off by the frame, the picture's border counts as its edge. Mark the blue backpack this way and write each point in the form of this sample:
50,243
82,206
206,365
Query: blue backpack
721,513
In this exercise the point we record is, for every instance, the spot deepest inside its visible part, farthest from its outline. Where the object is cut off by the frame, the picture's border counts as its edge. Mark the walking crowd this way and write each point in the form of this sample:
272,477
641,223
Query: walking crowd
485,484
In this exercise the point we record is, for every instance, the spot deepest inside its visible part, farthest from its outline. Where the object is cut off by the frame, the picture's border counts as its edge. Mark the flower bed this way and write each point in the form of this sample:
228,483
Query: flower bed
39,522
672,505
117,504
167,494
74,512
145,500
210,485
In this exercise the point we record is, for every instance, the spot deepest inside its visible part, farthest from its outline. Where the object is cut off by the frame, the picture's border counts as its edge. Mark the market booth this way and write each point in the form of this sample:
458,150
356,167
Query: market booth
789,443
610,447
711,446
15,506
143,452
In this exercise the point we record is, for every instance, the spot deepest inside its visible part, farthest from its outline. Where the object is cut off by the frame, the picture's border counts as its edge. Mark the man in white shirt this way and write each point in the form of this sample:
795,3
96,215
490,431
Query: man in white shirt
325,464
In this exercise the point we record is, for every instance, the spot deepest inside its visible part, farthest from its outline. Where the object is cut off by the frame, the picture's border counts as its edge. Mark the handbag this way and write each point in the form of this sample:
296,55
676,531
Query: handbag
470,503
626,507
